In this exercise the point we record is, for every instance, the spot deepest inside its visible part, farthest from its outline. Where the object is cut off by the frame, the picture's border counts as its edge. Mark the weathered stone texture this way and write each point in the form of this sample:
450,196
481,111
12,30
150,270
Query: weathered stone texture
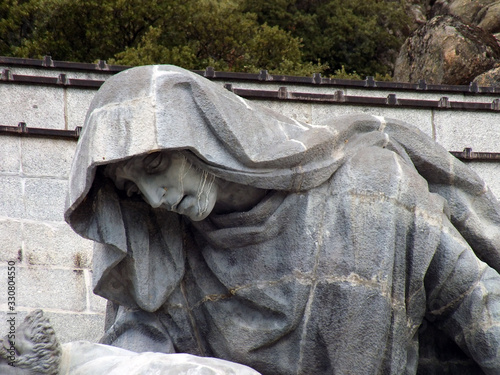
420,119
37,106
490,173
489,78
73,327
77,102
10,154
482,13
446,51
55,244
97,304
477,130
12,197
44,198
47,288
10,240
44,157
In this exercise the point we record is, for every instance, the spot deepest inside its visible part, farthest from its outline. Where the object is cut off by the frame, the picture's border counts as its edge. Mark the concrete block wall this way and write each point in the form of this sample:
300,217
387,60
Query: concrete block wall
53,265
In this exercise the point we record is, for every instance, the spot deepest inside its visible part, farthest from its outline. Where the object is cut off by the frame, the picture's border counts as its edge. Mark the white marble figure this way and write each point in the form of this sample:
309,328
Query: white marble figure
34,349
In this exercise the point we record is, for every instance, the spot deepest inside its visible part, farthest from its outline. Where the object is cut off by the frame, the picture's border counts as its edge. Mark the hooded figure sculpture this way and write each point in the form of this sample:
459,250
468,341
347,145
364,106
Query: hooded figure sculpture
225,229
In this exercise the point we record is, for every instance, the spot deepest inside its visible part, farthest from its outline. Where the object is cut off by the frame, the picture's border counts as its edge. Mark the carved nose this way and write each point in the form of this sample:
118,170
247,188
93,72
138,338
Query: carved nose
151,194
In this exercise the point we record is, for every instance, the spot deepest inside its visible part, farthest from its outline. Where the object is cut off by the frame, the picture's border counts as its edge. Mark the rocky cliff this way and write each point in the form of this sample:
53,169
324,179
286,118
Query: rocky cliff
453,42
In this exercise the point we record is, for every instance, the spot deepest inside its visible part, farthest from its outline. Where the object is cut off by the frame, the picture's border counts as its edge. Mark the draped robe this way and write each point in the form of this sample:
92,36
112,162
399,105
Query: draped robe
368,231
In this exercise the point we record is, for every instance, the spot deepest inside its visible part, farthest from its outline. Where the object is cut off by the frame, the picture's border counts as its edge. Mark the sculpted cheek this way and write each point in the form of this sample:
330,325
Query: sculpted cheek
172,197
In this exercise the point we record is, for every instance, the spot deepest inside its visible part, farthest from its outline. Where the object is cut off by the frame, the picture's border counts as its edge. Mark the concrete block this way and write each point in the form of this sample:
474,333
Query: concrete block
11,197
45,198
419,118
74,327
62,289
10,240
490,173
37,106
47,157
458,130
10,154
77,103
97,303
55,244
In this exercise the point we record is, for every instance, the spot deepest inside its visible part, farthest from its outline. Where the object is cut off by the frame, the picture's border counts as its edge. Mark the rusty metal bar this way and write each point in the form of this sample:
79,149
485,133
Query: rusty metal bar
6,76
390,101
468,154
48,63
22,130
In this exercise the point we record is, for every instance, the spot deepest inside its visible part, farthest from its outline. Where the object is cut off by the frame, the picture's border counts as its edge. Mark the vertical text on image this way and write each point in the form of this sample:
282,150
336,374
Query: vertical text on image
11,303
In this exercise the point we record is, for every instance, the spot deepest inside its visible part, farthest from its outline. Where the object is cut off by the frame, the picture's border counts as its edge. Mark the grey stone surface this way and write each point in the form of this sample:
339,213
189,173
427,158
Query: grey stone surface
77,102
12,197
75,326
298,111
39,287
369,232
44,198
490,173
44,157
97,304
477,130
37,106
420,119
10,239
10,154
55,244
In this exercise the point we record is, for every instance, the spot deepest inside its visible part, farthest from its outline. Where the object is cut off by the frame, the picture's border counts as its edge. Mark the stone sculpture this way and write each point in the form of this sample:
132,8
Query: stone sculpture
36,350
33,349
225,229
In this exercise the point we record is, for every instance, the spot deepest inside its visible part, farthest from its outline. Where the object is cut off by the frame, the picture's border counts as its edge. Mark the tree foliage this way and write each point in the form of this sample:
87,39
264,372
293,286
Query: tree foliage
283,36
362,36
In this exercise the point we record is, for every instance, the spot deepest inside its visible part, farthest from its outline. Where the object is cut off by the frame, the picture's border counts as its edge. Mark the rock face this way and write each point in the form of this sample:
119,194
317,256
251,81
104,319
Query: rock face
489,78
482,13
418,11
446,51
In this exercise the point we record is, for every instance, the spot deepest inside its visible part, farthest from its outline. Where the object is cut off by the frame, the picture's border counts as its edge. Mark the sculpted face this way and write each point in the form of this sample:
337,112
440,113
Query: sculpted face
170,181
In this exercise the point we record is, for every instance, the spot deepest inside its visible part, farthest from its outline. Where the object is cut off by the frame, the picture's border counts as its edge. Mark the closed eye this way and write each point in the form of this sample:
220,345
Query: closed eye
153,162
